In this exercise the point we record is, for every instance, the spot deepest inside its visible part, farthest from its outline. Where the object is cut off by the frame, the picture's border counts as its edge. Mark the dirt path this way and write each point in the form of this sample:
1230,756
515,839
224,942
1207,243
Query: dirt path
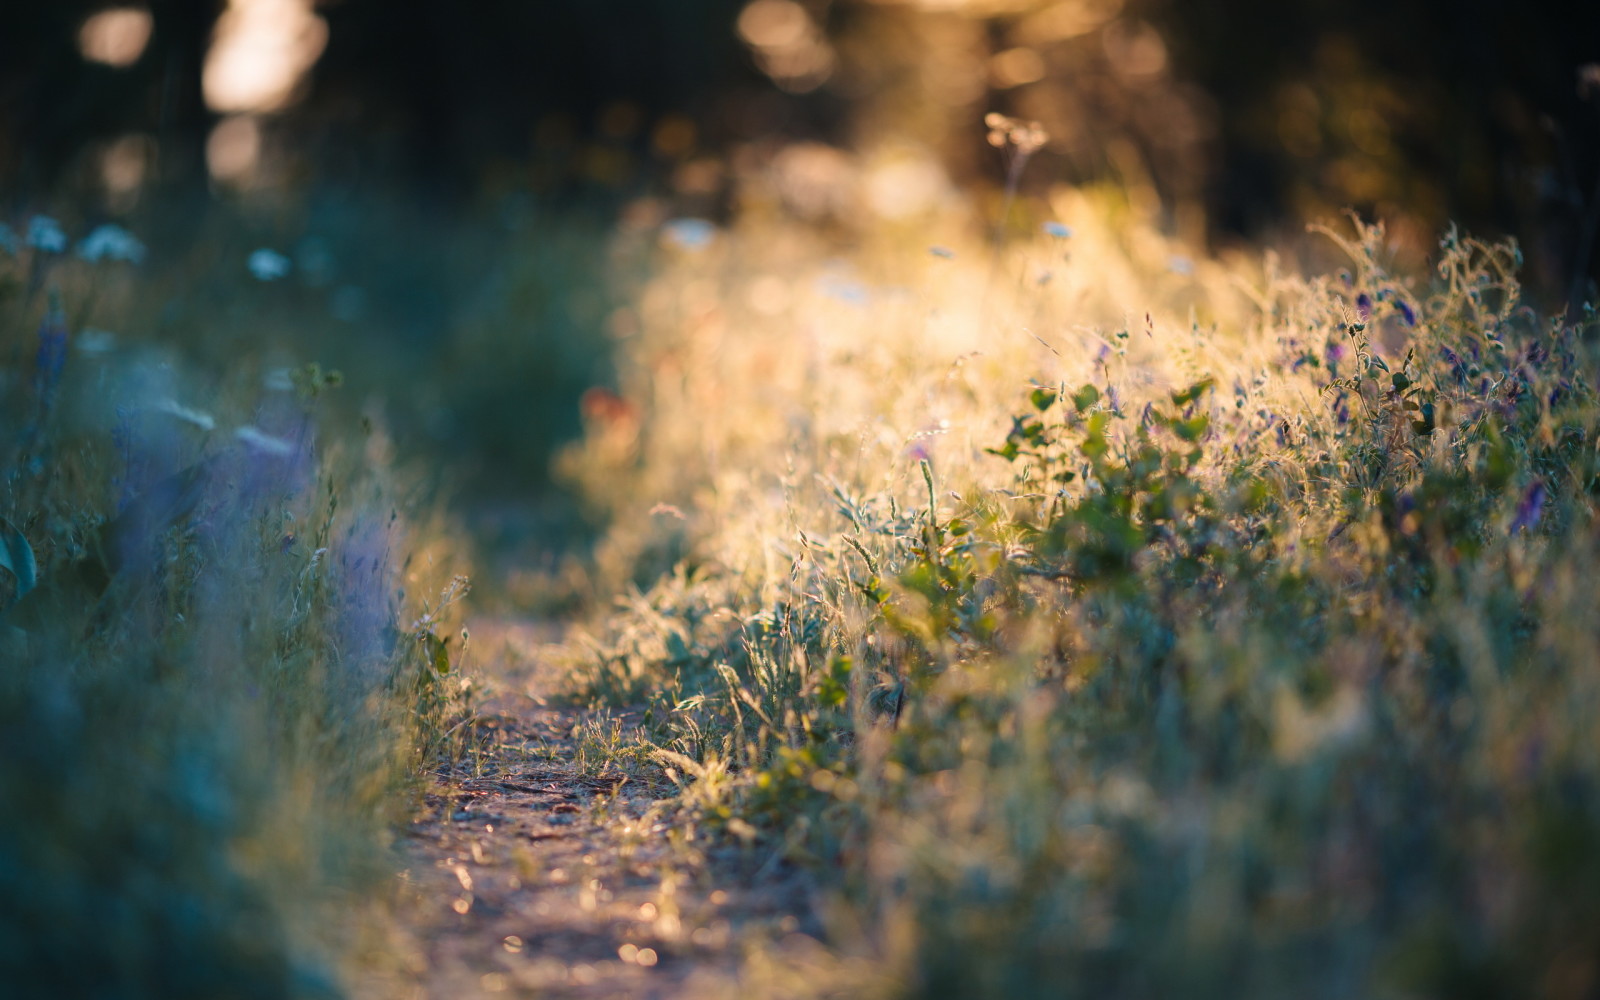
531,877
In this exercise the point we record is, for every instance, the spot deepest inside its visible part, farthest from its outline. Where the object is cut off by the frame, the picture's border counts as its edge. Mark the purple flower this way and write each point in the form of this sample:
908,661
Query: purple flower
1363,306
52,356
1334,353
1529,508
1406,312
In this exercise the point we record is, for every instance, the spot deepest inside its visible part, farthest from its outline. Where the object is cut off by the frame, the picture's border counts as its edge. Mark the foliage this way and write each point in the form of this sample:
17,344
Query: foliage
208,716
1252,656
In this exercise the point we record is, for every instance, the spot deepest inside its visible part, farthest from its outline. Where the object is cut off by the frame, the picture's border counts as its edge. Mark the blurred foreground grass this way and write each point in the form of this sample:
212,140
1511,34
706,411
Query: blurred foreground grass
1099,621
226,576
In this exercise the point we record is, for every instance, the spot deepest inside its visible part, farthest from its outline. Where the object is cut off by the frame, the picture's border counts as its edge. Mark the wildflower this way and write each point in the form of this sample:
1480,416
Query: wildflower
1529,508
268,265
52,355
264,442
172,408
110,242
8,239
1334,353
44,233
1057,230
1406,312
1363,307
1028,137
689,233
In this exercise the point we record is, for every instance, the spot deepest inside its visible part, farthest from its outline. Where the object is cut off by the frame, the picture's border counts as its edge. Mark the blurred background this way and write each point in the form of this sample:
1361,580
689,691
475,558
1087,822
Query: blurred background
459,197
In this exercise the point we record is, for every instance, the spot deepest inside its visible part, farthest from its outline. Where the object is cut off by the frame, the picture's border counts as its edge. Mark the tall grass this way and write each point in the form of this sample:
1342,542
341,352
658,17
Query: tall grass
213,697
1138,626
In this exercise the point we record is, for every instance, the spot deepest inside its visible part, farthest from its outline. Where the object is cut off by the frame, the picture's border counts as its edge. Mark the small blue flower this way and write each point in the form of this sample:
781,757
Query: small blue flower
1180,265
44,233
944,253
109,242
688,233
268,265
1057,230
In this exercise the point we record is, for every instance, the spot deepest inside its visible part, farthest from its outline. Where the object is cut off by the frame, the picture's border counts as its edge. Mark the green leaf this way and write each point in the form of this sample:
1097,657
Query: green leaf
1009,452
1085,397
438,655
1424,426
1194,392
16,556
1042,399
1193,429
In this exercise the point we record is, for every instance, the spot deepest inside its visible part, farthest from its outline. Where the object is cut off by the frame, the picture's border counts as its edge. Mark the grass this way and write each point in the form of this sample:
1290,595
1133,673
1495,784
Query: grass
215,695
1110,622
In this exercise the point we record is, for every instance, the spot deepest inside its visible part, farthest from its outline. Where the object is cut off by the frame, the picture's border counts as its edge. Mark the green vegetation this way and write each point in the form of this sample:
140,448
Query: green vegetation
1098,622
214,697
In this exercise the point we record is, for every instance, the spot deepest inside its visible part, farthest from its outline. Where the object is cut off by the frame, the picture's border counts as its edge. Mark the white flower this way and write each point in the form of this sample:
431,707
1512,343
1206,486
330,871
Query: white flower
109,242
262,441
8,239
689,234
268,265
44,233
173,408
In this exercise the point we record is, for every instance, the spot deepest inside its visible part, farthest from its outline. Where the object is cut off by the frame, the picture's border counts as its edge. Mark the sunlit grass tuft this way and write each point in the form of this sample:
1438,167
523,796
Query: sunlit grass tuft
1116,622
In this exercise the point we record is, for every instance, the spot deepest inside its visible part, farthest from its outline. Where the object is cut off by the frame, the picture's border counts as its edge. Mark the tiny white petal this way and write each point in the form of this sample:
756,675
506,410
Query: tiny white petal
262,441
173,408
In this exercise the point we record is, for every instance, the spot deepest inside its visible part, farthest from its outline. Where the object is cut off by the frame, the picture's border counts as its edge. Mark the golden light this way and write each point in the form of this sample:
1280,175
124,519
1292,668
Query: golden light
1135,50
116,37
124,165
788,46
1064,20
774,24
261,53
1015,67
233,149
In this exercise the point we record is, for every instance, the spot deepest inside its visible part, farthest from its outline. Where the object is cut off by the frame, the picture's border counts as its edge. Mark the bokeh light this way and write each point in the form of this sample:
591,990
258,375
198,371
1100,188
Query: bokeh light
262,52
116,37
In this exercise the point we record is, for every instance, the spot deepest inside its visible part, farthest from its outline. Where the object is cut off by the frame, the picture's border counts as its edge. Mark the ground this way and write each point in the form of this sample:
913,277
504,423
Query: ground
534,873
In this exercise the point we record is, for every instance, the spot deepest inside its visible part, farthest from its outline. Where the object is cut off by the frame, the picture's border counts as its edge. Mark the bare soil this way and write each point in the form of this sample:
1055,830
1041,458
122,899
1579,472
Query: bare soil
529,876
